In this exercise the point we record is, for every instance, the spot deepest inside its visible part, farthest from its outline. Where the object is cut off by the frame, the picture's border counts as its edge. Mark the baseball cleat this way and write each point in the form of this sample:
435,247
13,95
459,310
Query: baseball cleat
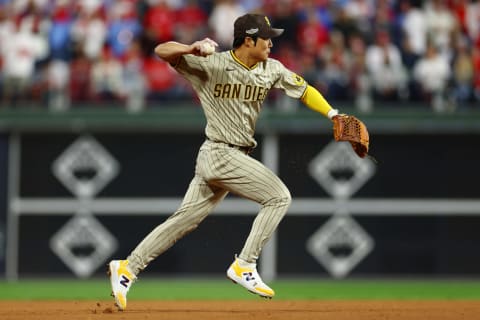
246,275
121,279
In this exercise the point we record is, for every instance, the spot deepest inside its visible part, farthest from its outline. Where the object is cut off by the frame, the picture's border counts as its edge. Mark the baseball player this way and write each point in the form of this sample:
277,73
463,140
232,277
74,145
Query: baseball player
231,86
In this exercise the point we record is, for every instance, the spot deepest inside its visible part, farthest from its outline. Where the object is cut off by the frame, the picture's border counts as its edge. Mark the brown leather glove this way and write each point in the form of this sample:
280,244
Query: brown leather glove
349,128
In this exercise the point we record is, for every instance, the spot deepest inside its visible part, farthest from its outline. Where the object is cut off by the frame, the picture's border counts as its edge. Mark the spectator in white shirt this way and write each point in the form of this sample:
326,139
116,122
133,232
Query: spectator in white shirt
24,48
431,74
224,12
440,25
414,27
385,68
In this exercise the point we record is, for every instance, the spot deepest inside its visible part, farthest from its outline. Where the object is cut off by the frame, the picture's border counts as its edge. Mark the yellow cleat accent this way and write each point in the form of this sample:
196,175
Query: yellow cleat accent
122,302
266,292
239,270
122,269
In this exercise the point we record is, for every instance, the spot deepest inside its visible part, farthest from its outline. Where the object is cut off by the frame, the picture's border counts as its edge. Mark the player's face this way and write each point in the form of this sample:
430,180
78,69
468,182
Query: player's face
262,48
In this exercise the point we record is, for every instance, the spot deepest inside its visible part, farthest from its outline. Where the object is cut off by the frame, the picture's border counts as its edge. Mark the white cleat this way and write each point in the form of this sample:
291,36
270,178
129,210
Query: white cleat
121,279
246,275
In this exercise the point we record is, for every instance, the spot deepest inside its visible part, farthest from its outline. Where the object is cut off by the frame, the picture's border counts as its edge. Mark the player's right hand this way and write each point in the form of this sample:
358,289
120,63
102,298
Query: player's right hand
203,47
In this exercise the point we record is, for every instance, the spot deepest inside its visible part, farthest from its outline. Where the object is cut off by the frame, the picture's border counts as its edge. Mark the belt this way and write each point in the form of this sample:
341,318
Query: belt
246,150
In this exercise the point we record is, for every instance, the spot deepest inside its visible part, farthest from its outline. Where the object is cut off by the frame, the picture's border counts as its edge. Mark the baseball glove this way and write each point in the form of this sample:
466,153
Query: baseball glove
349,128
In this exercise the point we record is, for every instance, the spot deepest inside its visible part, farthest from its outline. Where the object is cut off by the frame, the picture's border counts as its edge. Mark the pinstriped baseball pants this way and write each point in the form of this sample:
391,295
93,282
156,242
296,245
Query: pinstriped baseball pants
220,169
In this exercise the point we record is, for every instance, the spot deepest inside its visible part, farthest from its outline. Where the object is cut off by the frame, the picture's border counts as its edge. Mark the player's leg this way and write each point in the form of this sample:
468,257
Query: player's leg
258,183
199,201
249,178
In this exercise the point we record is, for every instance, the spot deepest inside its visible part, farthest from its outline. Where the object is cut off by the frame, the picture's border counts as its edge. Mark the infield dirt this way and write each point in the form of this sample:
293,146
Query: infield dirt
244,310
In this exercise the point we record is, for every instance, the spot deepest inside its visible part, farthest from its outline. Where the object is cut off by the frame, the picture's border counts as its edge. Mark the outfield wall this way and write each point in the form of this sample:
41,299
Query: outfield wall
78,195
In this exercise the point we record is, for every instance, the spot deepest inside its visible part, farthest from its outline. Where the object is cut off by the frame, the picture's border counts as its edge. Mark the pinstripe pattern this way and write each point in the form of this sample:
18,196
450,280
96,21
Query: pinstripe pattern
226,90
232,94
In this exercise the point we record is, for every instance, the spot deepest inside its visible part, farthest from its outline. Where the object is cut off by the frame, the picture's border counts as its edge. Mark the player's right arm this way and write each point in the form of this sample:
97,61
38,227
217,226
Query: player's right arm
170,51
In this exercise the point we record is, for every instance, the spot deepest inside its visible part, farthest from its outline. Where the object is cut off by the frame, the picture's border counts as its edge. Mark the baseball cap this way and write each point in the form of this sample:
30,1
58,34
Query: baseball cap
254,25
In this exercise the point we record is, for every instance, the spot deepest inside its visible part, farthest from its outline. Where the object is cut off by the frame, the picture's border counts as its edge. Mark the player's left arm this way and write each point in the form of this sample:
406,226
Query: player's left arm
315,101
296,87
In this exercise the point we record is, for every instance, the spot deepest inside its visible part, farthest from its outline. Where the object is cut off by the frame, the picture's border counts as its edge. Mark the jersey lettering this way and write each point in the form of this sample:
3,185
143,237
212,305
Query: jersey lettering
226,90
239,91
236,91
217,91
248,92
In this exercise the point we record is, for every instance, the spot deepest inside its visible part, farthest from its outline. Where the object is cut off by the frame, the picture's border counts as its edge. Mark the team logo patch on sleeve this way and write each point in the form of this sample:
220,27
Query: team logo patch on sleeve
297,79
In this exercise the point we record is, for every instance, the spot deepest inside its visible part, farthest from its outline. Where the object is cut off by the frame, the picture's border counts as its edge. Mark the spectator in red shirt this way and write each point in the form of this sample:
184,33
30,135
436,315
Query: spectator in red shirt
312,34
160,78
158,23
476,72
191,22
80,88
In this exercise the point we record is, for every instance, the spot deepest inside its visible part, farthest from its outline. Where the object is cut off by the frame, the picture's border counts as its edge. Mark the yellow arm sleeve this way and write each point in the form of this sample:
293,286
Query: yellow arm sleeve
315,101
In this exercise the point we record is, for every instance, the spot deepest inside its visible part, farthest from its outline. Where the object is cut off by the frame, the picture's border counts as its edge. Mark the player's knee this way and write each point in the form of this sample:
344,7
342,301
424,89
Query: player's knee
283,199
188,215
287,198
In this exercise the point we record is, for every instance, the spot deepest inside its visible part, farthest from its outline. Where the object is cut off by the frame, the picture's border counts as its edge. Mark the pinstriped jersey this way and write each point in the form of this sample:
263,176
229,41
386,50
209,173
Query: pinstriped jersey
231,93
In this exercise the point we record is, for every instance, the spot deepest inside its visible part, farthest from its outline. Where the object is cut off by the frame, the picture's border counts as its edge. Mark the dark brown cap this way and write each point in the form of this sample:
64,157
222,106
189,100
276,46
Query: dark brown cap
254,25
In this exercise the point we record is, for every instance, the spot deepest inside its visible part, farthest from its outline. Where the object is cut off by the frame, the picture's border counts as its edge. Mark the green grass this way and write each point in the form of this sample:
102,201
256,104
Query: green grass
222,289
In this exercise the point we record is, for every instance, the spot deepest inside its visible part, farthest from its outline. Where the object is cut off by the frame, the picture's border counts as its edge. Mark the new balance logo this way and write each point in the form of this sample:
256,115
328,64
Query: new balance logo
124,281
248,276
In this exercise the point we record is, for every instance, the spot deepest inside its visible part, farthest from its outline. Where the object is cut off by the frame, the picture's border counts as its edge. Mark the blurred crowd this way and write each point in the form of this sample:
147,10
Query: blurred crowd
61,54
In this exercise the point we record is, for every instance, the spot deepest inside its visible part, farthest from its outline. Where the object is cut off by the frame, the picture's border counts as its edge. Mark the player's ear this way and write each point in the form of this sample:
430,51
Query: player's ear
249,42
